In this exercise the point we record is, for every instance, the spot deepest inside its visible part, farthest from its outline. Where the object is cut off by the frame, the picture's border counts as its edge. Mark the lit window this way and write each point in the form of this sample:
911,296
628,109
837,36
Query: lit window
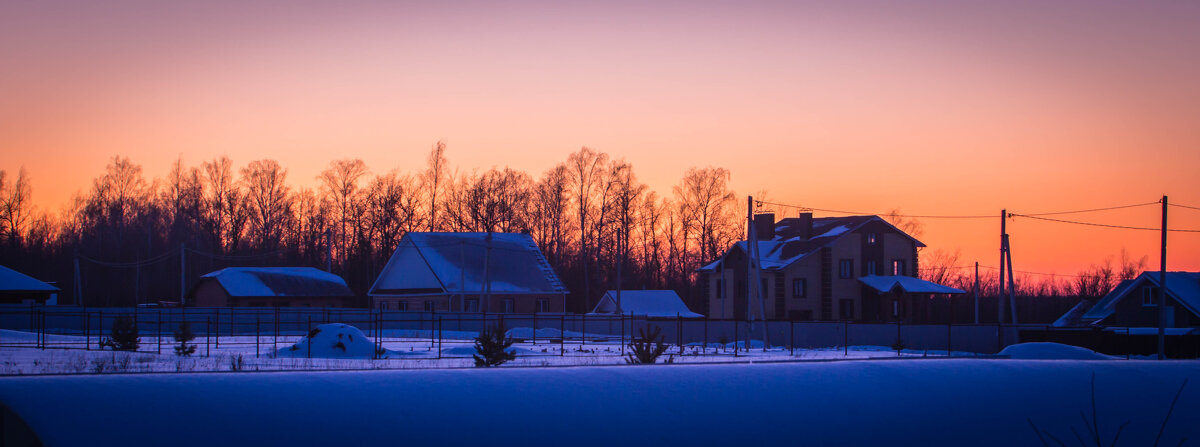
871,239
898,267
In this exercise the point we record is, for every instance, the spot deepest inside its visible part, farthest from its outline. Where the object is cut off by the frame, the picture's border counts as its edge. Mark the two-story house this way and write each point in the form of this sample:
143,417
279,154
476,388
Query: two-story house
859,268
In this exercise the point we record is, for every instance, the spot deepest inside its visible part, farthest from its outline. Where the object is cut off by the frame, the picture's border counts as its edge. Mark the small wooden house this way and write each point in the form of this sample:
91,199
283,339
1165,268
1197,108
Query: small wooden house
19,288
270,287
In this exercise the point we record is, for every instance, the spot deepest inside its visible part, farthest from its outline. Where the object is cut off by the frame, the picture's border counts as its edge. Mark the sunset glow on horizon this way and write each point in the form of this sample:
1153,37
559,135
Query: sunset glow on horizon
932,108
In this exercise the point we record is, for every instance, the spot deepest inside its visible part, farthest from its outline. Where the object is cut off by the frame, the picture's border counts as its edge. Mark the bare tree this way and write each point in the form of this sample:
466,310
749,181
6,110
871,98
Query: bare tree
909,225
433,180
705,199
549,224
15,207
586,168
340,185
269,201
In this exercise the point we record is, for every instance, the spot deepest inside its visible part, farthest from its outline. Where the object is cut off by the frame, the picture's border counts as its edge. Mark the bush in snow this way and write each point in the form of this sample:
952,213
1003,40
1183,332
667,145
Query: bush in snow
183,335
123,336
647,347
491,347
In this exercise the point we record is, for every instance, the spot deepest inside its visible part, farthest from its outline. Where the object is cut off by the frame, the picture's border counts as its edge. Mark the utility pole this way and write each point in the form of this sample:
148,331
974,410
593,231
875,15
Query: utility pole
1162,287
976,292
487,277
620,261
1000,297
756,270
1012,286
462,275
329,250
182,272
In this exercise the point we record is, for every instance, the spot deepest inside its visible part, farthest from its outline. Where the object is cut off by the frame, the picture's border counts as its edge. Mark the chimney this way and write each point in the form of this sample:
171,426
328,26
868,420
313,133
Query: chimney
805,227
764,226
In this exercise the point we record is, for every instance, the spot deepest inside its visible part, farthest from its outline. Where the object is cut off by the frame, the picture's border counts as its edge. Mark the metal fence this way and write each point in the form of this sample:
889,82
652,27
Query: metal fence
268,329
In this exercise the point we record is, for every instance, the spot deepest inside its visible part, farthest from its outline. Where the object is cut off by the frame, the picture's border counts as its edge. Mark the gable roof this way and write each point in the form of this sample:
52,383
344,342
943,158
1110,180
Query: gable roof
788,245
440,263
650,303
14,281
279,281
1183,287
906,284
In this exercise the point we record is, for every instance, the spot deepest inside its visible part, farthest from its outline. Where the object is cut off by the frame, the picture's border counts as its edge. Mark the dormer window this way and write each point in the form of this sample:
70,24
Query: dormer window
1149,296
871,239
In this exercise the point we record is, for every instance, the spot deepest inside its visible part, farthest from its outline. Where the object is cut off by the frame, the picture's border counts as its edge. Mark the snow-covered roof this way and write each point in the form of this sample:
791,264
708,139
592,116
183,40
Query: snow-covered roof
14,281
789,244
439,263
907,284
650,303
1183,287
279,281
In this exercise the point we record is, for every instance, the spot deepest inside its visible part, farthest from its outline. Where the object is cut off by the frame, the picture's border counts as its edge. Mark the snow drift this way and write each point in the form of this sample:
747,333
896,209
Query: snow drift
885,402
1050,351
332,341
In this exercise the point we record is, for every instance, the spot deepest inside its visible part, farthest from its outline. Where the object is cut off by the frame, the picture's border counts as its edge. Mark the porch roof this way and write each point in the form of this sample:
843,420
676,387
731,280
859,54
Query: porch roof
906,284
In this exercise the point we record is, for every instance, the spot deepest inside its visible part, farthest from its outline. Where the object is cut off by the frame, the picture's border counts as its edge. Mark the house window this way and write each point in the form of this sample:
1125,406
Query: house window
471,305
871,239
429,306
799,288
870,270
543,305
846,309
1149,296
506,305
720,289
898,267
895,308
383,305
402,306
846,268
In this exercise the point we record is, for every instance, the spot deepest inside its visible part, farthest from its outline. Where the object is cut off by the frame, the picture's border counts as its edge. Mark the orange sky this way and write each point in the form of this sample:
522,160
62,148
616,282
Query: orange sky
931,107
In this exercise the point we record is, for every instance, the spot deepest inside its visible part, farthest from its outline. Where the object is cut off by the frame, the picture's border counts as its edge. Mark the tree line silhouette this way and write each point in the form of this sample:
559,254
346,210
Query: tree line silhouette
588,214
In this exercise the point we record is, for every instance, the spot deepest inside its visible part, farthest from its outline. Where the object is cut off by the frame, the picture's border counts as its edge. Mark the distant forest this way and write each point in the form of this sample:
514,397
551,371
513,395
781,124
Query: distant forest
588,214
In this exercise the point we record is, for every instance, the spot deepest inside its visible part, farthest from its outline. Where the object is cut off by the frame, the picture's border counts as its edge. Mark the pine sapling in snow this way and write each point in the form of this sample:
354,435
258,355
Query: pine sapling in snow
647,347
492,347
123,336
183,335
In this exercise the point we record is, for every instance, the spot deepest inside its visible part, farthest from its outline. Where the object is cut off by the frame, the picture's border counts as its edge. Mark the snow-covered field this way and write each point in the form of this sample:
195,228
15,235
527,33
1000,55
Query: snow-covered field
978,402
67,355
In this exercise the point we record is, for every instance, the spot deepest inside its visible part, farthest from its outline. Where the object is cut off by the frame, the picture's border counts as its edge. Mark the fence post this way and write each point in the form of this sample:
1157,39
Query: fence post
949,344
87,331
562,335
679,331
898,339
792,338
735,338
207,333
583,332
846,338
159,324
308,343
439,344
704,347
535,328
622,315
257,331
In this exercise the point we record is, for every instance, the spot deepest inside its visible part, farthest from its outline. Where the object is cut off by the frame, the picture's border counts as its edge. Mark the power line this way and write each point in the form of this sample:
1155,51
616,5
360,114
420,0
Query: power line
1184,206
1095,209
1123,227
169,253
990,216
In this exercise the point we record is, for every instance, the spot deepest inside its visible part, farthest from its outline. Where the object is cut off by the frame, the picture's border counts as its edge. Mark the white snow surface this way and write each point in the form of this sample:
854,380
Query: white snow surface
247,281
900,402
332,341
1050,351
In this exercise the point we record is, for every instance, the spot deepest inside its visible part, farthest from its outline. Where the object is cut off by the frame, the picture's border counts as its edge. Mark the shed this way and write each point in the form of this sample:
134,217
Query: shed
649,303
270,287
19,288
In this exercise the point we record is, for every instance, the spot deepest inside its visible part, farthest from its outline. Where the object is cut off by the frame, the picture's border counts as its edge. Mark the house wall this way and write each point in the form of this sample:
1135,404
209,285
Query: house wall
522,303
1130,312
208,293
12,297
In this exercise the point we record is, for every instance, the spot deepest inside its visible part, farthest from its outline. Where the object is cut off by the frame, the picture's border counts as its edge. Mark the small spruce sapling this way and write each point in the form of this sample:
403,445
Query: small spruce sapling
647,347
123,336
183,335
492,346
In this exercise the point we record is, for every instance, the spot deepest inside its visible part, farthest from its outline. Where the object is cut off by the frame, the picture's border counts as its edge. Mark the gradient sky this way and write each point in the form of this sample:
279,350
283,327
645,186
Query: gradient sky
931,107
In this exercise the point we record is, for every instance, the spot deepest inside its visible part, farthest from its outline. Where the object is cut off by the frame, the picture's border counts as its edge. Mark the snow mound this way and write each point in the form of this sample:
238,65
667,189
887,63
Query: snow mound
1050,351
332,341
